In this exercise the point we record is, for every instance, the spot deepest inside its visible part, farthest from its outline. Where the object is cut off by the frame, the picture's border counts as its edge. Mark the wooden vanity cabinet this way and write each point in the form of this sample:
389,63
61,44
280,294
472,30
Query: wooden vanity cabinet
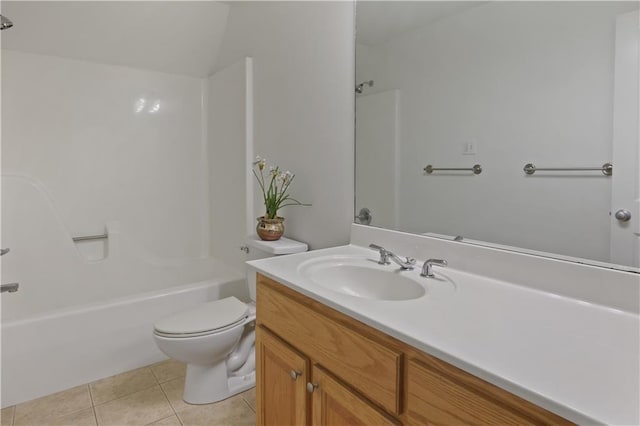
317,366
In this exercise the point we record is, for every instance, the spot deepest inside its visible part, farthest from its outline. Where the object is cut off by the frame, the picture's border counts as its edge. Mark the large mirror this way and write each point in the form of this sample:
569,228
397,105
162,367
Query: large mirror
536,102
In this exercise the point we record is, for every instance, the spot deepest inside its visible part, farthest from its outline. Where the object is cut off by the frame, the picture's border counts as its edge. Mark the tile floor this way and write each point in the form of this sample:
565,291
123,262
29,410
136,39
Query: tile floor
147,396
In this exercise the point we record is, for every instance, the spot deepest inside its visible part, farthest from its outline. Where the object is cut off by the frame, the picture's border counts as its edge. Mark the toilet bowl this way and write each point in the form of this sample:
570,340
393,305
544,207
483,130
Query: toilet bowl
216,341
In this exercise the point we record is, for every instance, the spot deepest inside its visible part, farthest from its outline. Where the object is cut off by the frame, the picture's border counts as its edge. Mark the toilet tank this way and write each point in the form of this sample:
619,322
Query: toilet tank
259,249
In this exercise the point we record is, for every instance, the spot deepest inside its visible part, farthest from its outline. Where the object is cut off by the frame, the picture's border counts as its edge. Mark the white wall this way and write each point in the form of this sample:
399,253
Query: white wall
81,129
80,151
303,76
229,139
530,82
73,135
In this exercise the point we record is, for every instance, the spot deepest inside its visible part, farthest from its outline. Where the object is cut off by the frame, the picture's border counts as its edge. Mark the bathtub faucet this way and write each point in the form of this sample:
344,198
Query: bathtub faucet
11,288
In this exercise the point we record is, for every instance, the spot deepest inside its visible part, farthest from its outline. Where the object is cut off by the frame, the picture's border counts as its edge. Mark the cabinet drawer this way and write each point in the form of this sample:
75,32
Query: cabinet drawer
439,393
368,366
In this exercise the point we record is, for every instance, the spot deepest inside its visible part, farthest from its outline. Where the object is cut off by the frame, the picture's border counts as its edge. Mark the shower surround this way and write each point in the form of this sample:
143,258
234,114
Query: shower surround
91,149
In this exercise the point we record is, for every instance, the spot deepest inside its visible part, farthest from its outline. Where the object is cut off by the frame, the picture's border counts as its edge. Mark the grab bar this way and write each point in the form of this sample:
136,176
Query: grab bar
90,238
11,288
606,169
476,169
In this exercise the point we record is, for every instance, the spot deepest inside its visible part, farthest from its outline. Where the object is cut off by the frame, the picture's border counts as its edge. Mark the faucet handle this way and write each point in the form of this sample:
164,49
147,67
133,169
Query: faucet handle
427,268
384,254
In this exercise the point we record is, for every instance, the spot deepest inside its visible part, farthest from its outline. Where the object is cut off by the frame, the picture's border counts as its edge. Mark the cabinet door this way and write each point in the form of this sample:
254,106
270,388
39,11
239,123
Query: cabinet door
333,404
281,373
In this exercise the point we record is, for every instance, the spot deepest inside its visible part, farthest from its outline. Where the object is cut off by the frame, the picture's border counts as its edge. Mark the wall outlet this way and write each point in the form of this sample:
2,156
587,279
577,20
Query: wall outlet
470,147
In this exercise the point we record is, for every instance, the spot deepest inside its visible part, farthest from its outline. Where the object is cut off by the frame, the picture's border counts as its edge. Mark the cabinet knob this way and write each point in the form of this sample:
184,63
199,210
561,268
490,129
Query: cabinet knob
294,374
311,387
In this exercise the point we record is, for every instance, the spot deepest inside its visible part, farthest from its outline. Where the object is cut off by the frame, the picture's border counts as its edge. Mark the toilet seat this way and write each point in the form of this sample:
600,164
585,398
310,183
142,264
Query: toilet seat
208,318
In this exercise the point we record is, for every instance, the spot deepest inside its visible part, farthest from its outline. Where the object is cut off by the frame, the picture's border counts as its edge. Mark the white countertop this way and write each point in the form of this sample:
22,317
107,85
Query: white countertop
577,359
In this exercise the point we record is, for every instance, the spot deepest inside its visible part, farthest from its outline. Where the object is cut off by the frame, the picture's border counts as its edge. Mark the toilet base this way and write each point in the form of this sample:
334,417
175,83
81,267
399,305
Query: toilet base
205,384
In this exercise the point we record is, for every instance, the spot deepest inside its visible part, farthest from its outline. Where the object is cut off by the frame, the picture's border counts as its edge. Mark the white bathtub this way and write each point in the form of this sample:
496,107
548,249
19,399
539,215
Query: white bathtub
73,346
85,310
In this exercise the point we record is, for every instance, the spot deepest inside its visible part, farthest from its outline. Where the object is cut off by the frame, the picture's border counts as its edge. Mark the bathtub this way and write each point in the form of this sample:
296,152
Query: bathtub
72,346
85,310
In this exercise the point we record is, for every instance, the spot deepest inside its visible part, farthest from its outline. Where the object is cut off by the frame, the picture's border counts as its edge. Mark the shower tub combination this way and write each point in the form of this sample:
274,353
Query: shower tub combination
70,347
60,350
78,317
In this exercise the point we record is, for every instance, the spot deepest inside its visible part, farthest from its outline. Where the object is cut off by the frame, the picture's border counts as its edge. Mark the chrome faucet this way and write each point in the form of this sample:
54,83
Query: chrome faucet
427,268
385,255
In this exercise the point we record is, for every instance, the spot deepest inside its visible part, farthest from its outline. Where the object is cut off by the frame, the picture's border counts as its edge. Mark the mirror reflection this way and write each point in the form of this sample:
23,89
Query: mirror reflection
530,100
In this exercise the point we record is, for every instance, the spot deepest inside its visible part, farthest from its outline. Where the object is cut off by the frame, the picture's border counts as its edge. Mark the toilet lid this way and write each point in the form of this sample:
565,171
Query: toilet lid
207,317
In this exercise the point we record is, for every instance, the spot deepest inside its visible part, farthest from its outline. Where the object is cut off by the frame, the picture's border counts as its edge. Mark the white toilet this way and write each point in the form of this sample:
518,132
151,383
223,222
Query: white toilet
216,339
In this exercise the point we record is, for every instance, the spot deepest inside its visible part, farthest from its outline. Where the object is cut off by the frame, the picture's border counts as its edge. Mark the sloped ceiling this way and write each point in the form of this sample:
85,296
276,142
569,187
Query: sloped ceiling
179,37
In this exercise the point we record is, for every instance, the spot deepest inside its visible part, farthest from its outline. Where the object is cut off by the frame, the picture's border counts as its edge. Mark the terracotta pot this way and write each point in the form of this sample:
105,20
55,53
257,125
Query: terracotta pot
270,229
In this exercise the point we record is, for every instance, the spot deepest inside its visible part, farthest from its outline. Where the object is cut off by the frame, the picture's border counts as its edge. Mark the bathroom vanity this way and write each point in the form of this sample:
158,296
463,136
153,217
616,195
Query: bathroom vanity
355,374
473,348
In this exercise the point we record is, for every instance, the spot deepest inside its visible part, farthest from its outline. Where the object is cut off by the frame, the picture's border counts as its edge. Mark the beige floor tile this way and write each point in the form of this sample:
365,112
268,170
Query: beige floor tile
6,416
140,408
232,412
79,418
52,406
168,370
174,389
250,397
121,385
169,421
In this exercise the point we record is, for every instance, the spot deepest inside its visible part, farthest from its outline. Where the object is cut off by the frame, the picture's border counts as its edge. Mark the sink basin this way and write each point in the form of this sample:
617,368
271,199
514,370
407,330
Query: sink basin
362,277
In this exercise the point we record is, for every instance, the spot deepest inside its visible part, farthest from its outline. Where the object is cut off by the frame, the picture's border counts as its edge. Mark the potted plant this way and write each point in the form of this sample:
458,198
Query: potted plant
275,195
